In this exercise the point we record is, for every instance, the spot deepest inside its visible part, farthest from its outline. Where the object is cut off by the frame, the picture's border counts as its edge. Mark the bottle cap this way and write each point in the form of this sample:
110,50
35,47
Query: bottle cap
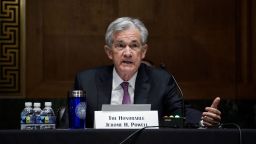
77,93
37,104
28,104
48,104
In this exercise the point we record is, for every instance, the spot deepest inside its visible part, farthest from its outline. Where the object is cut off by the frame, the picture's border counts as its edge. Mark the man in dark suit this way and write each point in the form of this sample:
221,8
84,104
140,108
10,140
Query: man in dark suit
128,81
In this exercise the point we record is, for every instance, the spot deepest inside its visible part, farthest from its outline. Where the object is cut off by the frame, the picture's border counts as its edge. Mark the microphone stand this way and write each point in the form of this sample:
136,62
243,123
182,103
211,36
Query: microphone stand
183,113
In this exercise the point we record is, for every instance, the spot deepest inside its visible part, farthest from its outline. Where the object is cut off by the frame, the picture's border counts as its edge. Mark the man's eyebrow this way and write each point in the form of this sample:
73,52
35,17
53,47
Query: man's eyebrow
121,41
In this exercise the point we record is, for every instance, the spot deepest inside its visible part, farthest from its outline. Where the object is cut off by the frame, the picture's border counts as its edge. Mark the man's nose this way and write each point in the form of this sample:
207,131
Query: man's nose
127,51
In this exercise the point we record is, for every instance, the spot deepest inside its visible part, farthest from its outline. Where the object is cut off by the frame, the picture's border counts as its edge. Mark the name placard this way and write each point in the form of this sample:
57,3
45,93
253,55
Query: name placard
125,119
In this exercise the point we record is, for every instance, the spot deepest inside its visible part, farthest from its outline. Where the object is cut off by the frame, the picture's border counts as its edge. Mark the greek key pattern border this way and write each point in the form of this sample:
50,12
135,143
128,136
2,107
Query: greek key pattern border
10,47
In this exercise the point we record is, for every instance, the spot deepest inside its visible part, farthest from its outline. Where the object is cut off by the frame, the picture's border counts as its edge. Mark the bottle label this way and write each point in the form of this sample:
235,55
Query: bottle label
48,119
27,119
38,119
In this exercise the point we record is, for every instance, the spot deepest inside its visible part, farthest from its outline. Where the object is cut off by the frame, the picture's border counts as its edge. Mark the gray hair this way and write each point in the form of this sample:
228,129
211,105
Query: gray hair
125,23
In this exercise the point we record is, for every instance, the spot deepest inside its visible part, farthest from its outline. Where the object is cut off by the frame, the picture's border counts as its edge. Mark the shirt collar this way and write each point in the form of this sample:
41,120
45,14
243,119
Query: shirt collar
117,80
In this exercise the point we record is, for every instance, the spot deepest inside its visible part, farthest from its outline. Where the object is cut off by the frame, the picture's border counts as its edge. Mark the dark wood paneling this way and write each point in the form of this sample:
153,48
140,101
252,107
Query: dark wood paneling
196,40
253,37
34,47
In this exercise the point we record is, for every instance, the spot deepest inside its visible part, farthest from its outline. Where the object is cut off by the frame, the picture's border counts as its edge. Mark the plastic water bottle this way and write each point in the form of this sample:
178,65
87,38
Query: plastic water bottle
27,117
48,113
37,111
48,117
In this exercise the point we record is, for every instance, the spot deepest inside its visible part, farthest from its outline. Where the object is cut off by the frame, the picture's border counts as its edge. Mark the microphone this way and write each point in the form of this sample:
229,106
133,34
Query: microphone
183,113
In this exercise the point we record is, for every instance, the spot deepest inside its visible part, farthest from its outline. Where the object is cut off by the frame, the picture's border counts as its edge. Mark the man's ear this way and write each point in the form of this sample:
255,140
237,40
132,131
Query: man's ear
144,50
108,51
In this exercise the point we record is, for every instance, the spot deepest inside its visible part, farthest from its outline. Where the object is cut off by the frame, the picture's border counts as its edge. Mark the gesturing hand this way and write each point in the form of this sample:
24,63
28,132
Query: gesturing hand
212,116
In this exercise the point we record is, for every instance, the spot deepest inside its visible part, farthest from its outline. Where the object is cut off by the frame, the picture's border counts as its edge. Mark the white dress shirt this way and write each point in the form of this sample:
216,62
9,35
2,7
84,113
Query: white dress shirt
117,91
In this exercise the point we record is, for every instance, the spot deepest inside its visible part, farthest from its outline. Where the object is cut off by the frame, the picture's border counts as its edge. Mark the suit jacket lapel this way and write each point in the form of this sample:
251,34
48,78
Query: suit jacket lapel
104,86
142,86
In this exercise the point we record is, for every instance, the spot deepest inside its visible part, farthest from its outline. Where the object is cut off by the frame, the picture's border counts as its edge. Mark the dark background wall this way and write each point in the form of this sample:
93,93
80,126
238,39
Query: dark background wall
209,46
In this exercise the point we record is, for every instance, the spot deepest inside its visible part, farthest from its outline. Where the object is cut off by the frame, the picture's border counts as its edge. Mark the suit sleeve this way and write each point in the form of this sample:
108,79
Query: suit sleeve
177,106
174,98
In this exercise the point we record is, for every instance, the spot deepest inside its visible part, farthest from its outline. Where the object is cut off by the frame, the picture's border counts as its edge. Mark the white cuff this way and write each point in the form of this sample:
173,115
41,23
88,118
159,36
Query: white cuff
201,124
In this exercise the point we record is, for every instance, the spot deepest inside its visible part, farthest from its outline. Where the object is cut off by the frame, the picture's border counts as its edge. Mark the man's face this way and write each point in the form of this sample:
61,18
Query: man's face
126,52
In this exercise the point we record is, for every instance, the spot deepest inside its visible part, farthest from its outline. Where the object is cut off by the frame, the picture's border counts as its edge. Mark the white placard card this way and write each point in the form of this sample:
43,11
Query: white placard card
125,119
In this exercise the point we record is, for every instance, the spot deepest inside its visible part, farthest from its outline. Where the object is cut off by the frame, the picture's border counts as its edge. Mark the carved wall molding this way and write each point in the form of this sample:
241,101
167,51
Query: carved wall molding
11,44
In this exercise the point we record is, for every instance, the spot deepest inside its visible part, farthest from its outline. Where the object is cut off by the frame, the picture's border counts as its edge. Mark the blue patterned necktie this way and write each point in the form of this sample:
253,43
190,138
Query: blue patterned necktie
126,97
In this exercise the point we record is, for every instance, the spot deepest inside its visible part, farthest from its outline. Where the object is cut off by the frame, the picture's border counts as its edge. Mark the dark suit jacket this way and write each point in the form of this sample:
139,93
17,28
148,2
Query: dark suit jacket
153,86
